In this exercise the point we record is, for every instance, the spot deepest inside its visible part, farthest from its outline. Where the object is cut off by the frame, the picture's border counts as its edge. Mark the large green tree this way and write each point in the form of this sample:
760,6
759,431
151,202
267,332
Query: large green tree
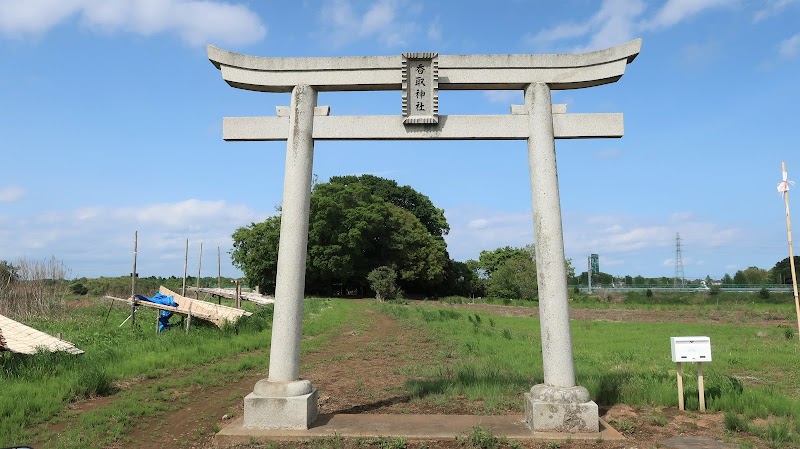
255,252
751,276
404,197
490,261
355,227
782,271
515,277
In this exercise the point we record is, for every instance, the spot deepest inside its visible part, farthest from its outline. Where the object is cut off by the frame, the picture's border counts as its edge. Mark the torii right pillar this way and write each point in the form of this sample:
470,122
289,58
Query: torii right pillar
557,405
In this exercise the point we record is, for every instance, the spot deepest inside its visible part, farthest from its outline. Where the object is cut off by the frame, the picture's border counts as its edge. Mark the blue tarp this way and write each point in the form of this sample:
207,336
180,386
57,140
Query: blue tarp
164,300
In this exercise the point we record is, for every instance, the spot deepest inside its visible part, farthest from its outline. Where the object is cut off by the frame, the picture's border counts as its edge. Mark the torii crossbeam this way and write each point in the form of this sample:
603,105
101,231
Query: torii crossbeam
283,400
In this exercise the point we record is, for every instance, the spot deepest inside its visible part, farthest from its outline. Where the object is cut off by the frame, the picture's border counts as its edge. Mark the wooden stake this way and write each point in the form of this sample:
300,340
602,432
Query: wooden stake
700,387
133,280
185,266
238,294
189,318
199,266
791,251
680,386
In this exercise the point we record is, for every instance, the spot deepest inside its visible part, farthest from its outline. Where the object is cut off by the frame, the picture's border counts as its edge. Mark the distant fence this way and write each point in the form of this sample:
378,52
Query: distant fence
687,288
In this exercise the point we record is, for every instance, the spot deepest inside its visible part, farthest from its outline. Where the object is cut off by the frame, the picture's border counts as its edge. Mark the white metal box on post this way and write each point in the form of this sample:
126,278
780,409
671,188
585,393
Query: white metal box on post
691,349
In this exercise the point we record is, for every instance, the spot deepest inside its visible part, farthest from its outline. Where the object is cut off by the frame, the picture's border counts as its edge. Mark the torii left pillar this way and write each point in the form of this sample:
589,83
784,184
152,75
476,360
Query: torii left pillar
283,400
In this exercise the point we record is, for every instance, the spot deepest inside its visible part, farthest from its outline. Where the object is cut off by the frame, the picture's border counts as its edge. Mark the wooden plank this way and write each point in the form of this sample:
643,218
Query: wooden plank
19,338
153,305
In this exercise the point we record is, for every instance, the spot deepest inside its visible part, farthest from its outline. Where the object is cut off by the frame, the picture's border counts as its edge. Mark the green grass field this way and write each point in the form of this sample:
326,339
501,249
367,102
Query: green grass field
36,388
750,377
492,359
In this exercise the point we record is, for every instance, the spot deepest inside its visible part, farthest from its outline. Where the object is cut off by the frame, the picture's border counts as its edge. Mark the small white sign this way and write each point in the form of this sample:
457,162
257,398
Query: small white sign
690,349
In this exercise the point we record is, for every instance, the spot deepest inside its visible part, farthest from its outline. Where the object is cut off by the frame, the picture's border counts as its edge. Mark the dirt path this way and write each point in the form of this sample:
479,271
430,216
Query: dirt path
358,371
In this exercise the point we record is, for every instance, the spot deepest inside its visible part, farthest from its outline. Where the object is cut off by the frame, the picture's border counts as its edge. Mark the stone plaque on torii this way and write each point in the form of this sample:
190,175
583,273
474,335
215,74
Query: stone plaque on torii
283,400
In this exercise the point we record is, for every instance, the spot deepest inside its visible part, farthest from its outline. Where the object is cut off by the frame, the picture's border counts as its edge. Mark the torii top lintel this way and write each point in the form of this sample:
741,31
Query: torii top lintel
456,72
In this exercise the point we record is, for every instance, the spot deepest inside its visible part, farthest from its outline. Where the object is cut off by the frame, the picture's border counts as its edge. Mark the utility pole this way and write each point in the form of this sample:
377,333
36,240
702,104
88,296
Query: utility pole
680,279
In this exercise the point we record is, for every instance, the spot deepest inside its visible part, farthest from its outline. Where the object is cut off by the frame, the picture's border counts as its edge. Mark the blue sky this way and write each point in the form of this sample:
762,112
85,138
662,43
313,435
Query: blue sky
111,122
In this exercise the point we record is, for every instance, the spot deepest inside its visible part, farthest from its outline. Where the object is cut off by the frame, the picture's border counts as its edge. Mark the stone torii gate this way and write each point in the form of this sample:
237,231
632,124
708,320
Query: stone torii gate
283,400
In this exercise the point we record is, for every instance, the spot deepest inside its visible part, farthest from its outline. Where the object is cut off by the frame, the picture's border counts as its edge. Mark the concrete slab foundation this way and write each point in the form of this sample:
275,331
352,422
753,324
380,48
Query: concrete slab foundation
412,427
293,412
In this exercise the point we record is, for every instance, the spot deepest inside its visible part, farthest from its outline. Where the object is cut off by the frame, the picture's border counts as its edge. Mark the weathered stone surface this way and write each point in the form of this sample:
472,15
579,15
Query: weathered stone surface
390,127
561,416
560,71
561,395
293,412
265,387
551,268
284,360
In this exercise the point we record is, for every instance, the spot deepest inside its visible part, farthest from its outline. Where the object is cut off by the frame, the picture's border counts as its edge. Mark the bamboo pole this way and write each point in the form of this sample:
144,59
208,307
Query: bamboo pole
701,387
199,266
791,251
219,276
238,294
185,266
133,279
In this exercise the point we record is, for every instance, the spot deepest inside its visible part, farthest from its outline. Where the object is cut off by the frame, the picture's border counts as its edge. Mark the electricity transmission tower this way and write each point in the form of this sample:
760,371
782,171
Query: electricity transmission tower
680,280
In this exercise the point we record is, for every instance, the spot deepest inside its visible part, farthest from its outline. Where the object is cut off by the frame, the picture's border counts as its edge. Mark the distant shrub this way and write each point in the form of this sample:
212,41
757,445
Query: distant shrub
649,293
382,281
763,293
714,290
78,288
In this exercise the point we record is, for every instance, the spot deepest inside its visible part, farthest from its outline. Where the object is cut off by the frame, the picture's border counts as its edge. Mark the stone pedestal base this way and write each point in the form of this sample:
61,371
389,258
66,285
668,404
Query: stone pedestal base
270,407
554,409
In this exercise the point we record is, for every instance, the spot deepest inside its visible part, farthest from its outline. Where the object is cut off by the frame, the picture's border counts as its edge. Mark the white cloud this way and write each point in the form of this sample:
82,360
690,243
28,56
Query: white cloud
773,8
676,11
790,48
473,229
642,243
630,244
612,25
435,31
196,22
619,21
504,96
382,21
11,194
96,241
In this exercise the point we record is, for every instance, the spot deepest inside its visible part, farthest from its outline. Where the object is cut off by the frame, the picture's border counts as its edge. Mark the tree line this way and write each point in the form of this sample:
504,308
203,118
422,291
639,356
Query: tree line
360,224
